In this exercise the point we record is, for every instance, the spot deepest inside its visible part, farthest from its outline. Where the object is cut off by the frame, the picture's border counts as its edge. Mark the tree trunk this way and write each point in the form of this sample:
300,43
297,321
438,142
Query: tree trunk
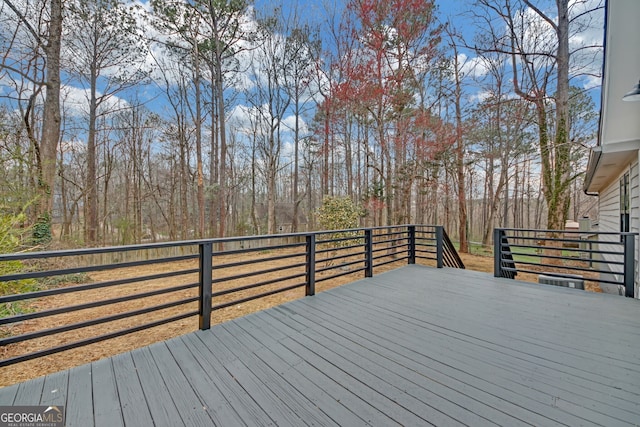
271,199
184,188
222,191
296,155
561,197
462,194
48,147
325,153
198,128
91,212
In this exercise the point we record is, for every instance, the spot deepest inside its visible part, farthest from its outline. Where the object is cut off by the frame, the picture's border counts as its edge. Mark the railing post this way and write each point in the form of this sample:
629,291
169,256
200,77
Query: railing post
368,252
629,264
497,252
310,288
205,280
411,229
439,246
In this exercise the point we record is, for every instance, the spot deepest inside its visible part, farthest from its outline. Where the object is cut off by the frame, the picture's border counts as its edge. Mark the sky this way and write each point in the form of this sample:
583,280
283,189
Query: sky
456,11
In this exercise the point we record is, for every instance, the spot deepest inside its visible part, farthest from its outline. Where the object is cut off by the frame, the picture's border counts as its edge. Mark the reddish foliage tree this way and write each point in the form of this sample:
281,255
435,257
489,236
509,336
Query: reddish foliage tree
394,42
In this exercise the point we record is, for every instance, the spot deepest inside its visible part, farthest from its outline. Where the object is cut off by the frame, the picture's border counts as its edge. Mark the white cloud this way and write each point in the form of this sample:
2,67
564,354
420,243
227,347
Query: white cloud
290,123
75,102
475,67
480,96
240,118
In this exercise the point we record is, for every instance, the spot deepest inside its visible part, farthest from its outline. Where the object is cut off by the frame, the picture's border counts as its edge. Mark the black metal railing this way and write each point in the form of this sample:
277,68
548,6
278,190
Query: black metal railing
605,258
450,254
127,289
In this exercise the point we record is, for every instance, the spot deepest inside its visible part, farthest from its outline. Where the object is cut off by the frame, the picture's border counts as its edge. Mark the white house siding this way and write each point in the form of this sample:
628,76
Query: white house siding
634,191
609,220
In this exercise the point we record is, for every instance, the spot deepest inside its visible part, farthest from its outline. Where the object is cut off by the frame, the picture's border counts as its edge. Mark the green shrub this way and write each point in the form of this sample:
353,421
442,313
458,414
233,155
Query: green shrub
339,213
42,230
10,239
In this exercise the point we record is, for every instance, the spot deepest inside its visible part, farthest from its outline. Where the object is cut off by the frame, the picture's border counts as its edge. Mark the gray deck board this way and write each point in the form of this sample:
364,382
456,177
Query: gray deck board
415,346
439,371
409,340
158,396
55,389
80,394
386,392
191,409
30,392
284,365
8,395
107,410
282,391
214,400
505,356
432,394
241,401
134,404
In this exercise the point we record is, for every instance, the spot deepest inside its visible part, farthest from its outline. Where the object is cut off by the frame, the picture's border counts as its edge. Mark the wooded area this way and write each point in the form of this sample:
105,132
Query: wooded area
123,122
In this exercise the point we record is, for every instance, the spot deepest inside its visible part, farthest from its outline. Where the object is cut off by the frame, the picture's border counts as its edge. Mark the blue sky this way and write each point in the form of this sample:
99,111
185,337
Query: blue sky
454,10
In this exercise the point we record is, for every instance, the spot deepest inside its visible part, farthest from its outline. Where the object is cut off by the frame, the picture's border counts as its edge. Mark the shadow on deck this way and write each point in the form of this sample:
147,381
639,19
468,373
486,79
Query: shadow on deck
413,346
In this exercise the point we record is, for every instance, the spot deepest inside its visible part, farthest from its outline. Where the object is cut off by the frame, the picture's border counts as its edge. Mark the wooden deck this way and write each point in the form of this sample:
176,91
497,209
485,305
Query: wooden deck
415,346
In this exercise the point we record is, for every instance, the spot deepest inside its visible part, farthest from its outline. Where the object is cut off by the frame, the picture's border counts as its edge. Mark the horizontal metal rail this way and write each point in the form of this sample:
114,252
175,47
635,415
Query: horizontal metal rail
93,340
546,253
98,321
342,248
567,249
560,275
262,295
120,292
100,303
115,266
257,284
565,253
255,273
92,286
257,261
258,249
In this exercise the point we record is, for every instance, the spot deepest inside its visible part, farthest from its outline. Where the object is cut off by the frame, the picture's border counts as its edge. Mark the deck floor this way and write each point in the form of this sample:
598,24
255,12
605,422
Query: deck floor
415,346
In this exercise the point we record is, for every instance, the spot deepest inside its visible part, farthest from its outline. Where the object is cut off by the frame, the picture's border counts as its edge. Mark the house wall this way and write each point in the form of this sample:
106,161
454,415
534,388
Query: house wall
634,182
609,220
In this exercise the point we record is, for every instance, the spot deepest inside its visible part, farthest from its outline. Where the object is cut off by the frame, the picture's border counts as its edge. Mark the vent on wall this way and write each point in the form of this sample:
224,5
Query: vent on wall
574,281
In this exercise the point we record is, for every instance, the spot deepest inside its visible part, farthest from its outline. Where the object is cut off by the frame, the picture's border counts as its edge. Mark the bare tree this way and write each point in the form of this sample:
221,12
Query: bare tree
178,135
105,56
271,101
537,42
224,34
459,149
48,40
302,49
